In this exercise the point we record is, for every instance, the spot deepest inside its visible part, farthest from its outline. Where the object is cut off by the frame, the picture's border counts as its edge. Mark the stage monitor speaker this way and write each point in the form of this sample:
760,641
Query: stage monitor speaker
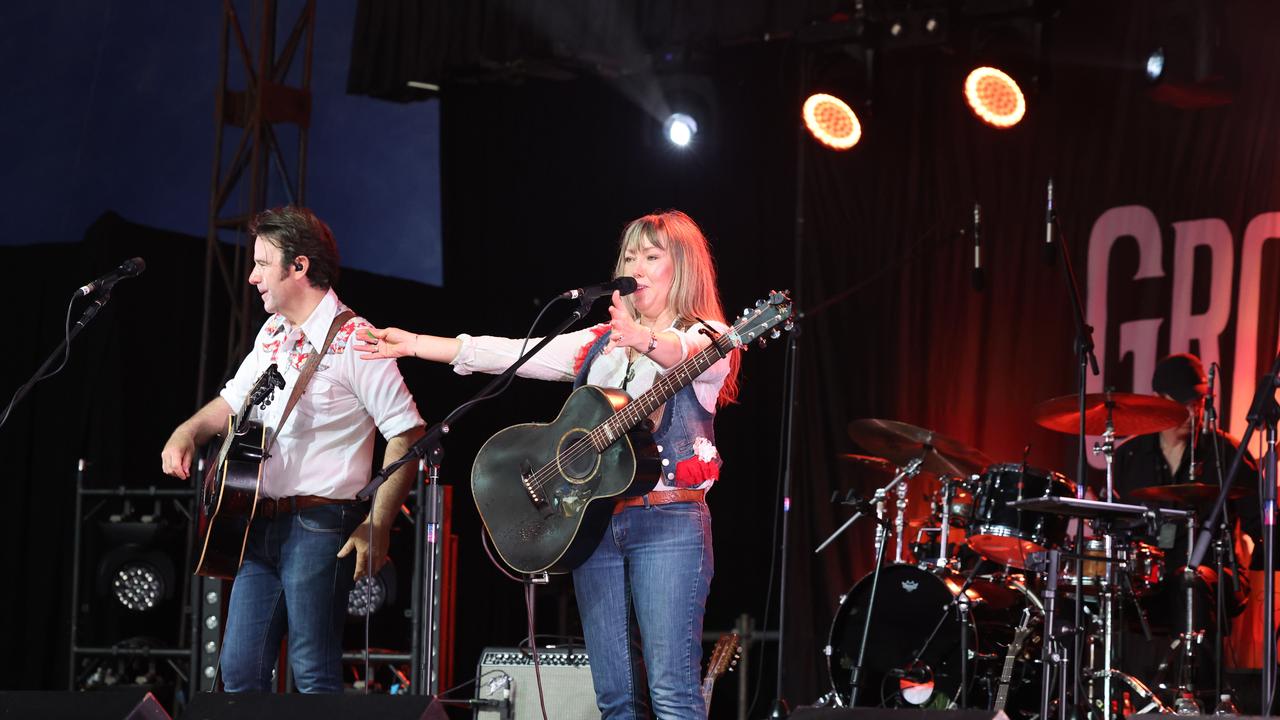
122,704
275,706
505,681
811,713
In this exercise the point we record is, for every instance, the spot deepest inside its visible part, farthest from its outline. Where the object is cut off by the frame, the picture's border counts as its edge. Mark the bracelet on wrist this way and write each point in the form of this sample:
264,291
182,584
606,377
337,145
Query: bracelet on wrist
653,342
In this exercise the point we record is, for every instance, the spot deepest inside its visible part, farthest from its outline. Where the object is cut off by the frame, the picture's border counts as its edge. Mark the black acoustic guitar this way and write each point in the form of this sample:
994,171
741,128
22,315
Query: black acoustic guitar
231,484
545,492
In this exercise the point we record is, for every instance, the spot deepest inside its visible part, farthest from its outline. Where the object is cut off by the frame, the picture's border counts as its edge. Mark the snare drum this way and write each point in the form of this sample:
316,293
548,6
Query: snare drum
1009,535
1143,564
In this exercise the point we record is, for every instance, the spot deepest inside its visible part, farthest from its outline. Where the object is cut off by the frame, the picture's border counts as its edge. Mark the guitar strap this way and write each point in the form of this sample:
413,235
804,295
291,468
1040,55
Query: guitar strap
309,369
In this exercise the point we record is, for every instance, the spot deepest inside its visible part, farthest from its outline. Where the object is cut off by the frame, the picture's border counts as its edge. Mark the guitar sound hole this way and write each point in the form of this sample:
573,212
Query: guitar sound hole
576,458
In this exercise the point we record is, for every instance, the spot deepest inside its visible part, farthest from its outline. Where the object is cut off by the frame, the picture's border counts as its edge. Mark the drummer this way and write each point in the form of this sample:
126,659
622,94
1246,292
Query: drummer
1164,458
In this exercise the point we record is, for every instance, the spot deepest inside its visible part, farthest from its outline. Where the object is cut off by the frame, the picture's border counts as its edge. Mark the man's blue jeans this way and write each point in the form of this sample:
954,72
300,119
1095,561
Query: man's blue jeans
291,580
650,573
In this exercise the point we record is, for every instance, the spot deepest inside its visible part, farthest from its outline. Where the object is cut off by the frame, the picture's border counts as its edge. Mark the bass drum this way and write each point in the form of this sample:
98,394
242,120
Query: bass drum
907,664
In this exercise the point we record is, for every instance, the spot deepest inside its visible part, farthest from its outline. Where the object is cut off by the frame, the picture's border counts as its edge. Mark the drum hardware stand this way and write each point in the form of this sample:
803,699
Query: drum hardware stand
944,529
900,522
855,674
1186,703
1106,448
864,506
1263,411
1050,654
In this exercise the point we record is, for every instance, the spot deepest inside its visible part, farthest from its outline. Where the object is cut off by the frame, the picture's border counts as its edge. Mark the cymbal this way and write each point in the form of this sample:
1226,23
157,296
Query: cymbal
901,443
1186,493
876,463
1131,414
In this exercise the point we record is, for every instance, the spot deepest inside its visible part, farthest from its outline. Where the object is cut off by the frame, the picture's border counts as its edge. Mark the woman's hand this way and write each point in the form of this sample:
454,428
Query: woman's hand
375,344
627,333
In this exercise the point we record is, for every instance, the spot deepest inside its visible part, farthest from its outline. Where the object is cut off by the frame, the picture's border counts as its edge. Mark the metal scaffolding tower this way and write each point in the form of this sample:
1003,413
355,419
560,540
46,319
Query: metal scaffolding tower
272,109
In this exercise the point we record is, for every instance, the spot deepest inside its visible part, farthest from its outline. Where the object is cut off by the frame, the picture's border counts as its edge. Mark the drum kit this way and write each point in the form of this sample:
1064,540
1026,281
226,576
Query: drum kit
1008,551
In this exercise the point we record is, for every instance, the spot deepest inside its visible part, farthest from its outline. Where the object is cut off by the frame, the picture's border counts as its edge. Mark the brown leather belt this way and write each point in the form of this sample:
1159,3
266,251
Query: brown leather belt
661,497
270,507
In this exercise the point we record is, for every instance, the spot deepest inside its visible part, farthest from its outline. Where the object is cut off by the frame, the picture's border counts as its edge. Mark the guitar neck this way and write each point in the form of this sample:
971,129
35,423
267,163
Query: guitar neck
664,387
1006,675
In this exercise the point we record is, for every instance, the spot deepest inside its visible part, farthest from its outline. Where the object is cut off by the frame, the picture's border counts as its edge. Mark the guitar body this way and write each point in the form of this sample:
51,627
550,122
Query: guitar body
546,494
228,498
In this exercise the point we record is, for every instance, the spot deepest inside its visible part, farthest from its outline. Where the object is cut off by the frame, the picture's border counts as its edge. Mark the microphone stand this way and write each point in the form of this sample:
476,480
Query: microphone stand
86,317
430,449
1087,361
1264,410
1224,552
855,674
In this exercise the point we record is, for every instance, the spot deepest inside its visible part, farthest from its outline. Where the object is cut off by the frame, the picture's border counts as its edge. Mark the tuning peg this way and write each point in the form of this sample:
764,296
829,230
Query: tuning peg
763,342
760,304
775,334
746,312
788,325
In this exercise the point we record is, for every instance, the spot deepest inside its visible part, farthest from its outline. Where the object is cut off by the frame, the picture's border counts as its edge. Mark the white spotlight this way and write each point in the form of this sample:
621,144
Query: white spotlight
1155,65
680,129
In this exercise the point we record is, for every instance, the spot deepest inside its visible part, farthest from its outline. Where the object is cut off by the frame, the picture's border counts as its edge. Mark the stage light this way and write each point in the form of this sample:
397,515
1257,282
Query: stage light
371,594
135,571
1185,63
138,585
839,95
995,97
680,129
831,121
1155,65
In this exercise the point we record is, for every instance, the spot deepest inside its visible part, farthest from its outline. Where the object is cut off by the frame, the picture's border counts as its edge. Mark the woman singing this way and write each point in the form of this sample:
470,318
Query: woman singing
652,570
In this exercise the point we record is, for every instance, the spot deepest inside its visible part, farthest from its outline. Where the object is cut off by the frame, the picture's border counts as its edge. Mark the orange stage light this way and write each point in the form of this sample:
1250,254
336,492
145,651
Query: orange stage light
831,121
995,97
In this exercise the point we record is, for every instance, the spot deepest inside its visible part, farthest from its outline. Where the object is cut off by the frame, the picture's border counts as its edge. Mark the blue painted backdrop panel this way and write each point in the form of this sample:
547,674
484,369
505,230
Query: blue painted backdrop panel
108,105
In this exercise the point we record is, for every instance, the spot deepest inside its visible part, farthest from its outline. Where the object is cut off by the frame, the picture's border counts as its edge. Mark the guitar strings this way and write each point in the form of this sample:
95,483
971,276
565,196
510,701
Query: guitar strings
684,372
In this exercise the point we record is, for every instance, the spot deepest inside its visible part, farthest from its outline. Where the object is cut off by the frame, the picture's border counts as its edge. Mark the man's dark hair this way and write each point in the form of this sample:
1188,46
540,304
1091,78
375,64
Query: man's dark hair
297,231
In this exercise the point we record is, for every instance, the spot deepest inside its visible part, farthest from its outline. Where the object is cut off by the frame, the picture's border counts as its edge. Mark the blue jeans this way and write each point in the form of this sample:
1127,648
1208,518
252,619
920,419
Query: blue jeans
291,580
651,574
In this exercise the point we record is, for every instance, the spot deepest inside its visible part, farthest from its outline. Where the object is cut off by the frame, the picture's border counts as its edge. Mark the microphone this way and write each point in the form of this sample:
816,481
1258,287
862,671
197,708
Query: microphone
977,277
1048,225
624,285
1210,415
129,268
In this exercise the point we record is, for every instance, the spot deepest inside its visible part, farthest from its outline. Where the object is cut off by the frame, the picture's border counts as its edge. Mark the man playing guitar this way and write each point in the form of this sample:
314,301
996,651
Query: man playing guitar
298,564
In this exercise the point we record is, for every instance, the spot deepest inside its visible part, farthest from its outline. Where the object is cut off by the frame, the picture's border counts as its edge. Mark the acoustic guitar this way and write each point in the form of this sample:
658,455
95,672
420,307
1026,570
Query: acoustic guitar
229,493
545,492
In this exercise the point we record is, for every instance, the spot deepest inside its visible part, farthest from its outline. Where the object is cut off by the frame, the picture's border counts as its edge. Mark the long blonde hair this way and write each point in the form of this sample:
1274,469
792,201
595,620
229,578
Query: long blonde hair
693,292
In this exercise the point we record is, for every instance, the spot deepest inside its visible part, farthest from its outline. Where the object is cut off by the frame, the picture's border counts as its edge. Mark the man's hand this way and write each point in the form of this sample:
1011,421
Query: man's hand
175,458
359,541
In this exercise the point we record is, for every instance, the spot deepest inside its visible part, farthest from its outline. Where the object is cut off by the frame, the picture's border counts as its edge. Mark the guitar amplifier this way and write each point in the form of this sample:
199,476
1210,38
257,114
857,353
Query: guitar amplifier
505,679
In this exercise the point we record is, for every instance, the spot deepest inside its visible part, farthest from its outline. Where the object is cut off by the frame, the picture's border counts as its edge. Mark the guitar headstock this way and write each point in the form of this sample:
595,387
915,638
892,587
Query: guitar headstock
725,655
764,322
267,383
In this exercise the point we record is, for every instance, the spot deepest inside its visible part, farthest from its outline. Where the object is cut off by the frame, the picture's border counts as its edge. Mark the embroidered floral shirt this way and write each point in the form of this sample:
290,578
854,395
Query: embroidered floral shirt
326,445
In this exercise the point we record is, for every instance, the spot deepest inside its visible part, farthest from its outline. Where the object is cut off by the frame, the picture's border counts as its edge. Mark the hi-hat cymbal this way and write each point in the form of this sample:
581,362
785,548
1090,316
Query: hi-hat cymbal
901,443
1131,414
1186,494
